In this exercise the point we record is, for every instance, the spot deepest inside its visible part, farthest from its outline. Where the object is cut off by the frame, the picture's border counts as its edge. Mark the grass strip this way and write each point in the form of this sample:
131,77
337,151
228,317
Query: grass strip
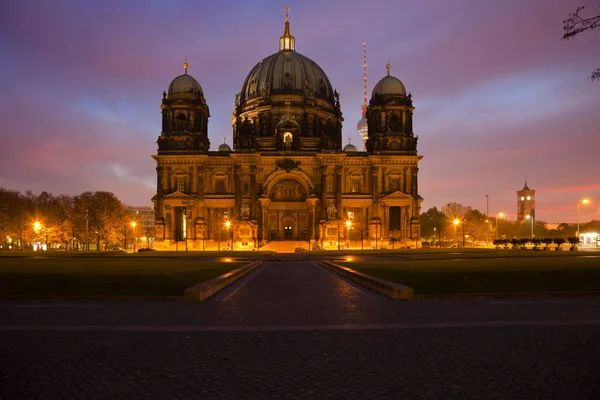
107,276
515,275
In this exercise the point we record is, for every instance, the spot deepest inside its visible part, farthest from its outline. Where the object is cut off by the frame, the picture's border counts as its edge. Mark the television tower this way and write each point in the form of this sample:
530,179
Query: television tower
362,127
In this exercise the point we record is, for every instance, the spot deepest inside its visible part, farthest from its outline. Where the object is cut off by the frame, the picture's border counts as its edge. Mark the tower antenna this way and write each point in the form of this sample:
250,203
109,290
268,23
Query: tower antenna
364,106
362,127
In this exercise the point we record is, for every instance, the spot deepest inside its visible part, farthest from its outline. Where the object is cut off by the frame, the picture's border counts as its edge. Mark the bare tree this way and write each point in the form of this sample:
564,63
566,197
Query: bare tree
576,24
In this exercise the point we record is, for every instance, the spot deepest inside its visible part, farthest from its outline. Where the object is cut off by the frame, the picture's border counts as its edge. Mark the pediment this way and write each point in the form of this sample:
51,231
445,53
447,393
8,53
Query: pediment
396,196
178,195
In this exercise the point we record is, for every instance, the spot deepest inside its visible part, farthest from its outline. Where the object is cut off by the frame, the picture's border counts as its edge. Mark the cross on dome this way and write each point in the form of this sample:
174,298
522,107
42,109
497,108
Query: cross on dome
287,41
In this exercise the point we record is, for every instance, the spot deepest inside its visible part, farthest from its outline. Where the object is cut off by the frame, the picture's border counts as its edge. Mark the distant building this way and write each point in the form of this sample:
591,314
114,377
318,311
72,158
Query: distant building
143,216
525,203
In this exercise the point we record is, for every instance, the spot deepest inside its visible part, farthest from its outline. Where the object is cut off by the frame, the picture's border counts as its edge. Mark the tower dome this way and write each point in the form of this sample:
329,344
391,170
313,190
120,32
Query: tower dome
224,146
184,117
390,118
349,147
389,85
287,103
185,86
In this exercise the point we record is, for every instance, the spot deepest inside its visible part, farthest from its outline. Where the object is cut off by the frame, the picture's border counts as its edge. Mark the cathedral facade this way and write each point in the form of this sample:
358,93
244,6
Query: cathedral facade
286,176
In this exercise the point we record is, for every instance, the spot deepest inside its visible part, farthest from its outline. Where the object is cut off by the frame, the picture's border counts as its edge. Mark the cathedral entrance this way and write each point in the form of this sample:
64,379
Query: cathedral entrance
288,233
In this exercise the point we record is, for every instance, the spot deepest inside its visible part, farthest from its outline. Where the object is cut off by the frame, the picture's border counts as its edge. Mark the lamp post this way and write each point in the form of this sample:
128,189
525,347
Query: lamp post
133,224
530,218
499,215
349,226
218,230
456,222
228,225
581,201
37,226
87,230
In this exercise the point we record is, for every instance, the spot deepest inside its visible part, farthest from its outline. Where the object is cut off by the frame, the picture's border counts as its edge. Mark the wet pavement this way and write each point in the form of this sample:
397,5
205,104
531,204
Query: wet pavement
292,329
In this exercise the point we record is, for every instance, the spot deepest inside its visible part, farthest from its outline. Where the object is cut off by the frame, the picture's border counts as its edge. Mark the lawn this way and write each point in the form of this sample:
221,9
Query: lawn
486,274
106,275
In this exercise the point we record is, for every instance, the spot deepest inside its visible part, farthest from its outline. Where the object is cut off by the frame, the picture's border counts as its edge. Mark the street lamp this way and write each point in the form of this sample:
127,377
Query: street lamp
349,226
499,215
531,218
133,224
456,222
581,201
228,225
37,226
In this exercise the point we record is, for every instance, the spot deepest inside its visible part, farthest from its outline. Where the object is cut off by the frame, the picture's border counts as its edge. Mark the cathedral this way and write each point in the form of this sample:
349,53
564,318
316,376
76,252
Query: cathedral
286,176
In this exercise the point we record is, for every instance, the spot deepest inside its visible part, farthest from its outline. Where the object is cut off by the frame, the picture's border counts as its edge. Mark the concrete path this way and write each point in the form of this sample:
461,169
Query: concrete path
294,330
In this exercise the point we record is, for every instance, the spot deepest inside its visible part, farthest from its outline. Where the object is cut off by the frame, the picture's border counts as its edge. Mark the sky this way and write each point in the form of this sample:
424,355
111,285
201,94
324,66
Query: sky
498,96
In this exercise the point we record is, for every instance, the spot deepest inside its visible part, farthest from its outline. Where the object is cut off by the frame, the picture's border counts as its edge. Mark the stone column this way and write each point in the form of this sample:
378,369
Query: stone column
323,192
374,191
265,223
409,181
253,190
415,193
238,192
278,226
169,186
385,228
200,184
311,229
158,212
338,191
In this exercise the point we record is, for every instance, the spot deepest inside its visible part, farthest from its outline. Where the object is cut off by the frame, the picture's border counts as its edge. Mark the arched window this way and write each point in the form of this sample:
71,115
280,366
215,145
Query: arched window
394,181
179,181
181,121
220,182
355,182
329,184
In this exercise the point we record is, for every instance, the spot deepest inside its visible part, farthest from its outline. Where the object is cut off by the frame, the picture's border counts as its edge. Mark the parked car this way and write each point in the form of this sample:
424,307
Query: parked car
299,250
118,250
145,249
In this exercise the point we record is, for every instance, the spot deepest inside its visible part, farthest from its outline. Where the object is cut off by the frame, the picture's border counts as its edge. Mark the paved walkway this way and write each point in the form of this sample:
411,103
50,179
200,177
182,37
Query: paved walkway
295,330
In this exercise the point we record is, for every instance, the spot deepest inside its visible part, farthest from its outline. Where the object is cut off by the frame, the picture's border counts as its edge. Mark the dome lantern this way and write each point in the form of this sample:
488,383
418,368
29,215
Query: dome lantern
287,41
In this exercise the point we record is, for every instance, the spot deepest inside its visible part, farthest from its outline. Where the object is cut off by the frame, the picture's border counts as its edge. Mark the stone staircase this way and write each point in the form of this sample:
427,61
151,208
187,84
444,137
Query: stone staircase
286,246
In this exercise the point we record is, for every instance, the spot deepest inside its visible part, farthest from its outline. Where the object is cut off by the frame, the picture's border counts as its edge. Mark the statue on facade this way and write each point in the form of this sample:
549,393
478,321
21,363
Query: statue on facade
331,211
245,211
287,141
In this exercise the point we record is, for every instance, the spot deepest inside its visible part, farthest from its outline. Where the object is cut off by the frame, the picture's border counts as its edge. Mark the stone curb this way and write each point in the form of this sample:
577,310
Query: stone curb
387,288
206,289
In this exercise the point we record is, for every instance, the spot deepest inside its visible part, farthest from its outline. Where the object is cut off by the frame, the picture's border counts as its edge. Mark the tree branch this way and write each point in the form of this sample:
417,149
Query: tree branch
574,25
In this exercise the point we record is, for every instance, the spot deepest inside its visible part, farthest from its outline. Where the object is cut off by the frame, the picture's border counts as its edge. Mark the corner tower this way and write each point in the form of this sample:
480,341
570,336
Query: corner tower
182,141
184,117
389,117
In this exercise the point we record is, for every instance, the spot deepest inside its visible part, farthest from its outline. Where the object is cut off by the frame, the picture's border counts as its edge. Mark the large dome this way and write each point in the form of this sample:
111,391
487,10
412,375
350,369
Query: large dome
185,87
389,85
287,103
287,72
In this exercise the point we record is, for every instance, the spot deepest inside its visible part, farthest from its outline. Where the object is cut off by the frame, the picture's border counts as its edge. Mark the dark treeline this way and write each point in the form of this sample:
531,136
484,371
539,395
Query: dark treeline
60,221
